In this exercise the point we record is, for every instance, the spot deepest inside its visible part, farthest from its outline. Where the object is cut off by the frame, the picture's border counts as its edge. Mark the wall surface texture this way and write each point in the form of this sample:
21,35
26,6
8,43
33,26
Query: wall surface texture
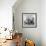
6,13
43,22
31,6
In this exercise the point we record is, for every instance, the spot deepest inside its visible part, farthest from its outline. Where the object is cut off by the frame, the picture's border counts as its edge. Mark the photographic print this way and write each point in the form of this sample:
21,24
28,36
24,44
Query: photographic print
29,20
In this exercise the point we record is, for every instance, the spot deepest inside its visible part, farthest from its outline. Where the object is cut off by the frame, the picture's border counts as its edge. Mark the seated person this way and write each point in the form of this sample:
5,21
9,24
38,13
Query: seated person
18,40
29,43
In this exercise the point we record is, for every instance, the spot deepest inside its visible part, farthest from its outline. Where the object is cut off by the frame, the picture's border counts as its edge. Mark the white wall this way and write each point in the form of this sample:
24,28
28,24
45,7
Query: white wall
43,22
28,6
37,34
6,13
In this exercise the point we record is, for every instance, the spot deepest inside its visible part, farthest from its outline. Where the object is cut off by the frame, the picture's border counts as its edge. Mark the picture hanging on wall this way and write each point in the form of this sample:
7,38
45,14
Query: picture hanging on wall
29,20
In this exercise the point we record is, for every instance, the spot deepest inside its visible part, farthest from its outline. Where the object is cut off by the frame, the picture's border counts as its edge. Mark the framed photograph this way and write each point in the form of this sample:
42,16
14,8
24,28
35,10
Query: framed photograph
29,20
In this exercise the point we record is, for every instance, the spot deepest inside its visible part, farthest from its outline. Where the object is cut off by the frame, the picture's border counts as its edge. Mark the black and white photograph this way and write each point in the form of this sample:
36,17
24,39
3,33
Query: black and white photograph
29,20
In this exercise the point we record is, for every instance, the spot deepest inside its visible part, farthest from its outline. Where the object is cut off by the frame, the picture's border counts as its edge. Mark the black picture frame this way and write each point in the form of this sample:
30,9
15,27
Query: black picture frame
29,20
